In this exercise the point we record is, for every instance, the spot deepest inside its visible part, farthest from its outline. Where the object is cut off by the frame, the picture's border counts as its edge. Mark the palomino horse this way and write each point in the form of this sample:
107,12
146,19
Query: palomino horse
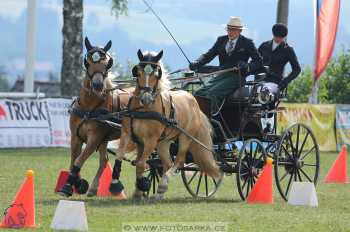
98,96
153,102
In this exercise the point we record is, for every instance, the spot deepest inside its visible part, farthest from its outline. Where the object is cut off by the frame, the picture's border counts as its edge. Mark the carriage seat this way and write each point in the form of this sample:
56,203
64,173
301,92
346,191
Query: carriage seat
242,93
245,92
261,74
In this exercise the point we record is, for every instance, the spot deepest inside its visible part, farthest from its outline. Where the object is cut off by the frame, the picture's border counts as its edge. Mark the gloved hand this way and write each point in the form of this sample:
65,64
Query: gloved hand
282,85
194,66
243,66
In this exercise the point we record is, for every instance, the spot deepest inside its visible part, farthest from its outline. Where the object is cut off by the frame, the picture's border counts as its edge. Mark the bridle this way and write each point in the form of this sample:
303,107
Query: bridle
96,55
148,68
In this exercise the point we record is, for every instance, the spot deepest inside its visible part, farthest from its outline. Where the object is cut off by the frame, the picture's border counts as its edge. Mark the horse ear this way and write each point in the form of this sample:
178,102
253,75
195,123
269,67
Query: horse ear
110,63
159,56
140,55
135,71
87,44
108,46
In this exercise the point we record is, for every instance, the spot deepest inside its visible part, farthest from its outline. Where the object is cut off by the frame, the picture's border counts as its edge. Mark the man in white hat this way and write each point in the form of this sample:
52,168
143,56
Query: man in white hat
233,50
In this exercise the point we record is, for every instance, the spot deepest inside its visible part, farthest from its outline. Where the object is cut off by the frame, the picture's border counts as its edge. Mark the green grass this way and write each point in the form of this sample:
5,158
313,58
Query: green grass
333,213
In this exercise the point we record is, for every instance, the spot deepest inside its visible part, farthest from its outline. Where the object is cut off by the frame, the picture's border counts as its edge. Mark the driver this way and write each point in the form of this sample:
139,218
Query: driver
234,50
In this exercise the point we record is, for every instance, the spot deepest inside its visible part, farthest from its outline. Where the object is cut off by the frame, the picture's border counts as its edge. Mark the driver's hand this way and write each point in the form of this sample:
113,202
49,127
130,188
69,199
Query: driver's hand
193,66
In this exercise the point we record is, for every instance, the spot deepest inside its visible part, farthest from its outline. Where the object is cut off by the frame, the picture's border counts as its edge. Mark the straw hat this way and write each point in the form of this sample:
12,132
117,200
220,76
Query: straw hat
235,22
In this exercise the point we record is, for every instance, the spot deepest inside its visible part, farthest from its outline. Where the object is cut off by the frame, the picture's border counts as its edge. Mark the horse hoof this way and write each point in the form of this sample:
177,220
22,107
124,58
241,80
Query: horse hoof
66,190
91,193
143,184
156,197
82,186
116,188
139,196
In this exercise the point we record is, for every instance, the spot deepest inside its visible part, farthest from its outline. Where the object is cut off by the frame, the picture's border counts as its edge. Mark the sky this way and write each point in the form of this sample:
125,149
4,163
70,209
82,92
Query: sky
194,23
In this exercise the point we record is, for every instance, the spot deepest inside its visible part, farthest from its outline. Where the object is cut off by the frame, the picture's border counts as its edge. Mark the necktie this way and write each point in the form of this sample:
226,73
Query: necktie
230,47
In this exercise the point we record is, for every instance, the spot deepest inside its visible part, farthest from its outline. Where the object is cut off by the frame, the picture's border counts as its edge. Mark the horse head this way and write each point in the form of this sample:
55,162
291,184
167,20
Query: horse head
97,62
148,73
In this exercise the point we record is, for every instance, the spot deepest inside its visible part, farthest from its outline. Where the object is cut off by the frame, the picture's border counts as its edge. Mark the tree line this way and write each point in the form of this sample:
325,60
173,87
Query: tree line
334,84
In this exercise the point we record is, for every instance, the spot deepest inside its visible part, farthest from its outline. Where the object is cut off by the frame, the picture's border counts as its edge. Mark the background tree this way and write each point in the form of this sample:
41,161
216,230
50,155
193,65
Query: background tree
72,57
300,88
71,70
4,83
334,85
119,7
338,79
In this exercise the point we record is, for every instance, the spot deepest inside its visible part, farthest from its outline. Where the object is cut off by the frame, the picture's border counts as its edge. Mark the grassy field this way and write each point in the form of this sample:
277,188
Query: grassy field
333,213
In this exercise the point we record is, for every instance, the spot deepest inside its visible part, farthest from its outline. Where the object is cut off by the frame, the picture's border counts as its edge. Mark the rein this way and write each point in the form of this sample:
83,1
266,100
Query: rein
199,76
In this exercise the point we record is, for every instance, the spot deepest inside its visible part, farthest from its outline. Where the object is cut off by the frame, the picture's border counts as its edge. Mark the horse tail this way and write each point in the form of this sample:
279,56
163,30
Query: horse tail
202,156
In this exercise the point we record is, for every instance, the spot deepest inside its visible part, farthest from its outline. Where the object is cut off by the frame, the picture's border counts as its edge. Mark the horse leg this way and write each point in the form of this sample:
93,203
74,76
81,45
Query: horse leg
125,145
142,183
73,178
103,162
167,163
75,149
184,143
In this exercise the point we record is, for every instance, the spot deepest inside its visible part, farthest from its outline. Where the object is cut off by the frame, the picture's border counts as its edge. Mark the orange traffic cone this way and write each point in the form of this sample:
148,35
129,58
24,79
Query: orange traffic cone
262,190
338,171
21,213
105,181
62,179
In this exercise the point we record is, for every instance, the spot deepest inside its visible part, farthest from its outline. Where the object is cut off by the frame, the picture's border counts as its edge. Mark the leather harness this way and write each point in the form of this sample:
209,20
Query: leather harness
97,114
152,115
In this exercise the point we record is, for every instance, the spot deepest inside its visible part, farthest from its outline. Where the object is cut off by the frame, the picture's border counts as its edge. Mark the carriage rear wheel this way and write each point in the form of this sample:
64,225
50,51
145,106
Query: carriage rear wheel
250,163
198,183
297,158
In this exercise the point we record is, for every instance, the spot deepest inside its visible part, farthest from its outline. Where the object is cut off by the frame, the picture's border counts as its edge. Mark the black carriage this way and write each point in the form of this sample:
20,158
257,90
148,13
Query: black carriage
245,134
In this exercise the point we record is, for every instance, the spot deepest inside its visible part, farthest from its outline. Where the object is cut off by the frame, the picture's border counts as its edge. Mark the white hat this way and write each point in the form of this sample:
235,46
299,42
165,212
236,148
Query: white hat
235,22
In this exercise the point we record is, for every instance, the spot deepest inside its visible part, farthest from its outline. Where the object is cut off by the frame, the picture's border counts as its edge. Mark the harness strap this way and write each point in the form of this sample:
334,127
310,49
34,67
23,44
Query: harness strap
133,135
166,121
171,117
86,115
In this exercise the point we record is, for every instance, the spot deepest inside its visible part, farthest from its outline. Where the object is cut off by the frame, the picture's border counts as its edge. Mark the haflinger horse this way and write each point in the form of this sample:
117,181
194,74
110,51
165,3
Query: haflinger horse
150,107
98,96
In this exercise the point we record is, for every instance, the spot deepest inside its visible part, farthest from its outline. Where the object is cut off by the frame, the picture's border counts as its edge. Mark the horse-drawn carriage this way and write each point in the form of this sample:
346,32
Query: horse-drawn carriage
244,132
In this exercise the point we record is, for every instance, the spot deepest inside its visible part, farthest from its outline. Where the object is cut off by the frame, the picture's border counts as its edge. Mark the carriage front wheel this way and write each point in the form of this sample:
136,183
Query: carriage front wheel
297,158
251,160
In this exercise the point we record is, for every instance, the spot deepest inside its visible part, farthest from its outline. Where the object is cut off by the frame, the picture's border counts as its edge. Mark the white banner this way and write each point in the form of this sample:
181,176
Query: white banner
34,123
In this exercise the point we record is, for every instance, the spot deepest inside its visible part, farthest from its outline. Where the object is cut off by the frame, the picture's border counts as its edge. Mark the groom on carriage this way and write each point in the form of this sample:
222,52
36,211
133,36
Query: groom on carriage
233,50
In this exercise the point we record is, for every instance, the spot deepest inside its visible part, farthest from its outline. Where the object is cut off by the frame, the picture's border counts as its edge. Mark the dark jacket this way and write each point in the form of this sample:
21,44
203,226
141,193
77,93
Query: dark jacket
244,50
277,59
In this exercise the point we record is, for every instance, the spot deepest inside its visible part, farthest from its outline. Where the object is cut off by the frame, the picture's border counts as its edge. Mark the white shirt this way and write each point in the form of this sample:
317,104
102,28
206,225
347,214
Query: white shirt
274,45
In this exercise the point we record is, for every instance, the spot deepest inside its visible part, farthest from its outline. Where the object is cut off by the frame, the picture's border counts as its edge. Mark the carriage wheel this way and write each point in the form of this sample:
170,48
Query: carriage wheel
296,159
197,183
250,163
